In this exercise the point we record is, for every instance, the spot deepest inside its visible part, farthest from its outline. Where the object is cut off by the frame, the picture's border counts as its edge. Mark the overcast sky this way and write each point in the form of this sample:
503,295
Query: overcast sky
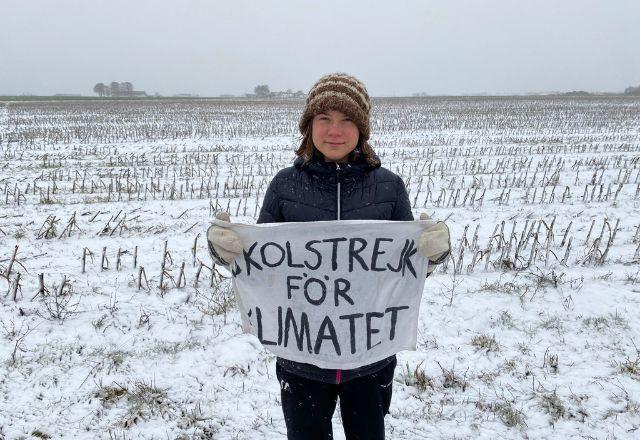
212,47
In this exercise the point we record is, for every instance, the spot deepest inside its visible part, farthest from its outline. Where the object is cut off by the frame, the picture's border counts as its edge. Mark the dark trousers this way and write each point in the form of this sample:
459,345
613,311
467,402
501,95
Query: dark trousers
308,405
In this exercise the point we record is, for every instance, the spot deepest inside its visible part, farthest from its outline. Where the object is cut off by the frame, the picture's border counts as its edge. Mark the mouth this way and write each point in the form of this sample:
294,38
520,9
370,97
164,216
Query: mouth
335,144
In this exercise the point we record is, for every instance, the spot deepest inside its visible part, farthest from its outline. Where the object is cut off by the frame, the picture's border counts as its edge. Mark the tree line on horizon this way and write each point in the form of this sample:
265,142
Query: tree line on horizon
117,89
125,89
635,91
263,91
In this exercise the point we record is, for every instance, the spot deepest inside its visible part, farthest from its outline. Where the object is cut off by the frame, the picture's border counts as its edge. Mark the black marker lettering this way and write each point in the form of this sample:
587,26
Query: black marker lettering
263,254
323,289
400,260
259,318
354,254
352,328
279,325
370,329
290,286
376,252
248,260
334,252
290,262
394,319
327,324
309,246
340,288
304,329
406,261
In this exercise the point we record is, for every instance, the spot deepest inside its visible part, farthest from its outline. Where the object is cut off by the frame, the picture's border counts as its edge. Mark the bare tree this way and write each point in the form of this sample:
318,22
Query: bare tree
632,90
262,90
100,89
126,89
115,88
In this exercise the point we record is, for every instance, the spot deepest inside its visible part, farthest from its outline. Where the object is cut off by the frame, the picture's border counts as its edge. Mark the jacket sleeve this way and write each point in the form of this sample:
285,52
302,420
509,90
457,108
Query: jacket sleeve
270,211
402,210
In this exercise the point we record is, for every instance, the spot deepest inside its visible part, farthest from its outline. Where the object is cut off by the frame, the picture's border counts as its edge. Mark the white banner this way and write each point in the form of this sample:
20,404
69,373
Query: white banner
335,294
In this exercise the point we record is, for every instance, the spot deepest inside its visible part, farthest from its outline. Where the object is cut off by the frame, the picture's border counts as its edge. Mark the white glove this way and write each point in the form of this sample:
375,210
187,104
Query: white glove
224,244
434,242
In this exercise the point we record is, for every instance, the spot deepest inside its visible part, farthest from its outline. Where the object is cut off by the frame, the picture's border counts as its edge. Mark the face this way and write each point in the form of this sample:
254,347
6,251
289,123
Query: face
334,135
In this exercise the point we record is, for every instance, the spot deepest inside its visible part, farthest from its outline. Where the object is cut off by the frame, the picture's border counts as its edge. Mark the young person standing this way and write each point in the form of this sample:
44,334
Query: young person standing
336,176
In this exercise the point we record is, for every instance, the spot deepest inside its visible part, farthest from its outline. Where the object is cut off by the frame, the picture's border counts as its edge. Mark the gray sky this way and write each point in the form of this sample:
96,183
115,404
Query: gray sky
397,47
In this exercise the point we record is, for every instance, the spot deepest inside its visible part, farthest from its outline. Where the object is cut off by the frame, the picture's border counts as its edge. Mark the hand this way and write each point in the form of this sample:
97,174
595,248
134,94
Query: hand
434,242
224,244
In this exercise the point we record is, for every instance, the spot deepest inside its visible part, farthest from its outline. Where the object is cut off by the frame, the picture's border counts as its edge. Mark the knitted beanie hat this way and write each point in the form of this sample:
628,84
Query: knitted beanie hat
340,92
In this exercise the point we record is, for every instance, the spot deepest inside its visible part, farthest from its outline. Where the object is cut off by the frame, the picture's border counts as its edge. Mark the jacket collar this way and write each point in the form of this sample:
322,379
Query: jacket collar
316,165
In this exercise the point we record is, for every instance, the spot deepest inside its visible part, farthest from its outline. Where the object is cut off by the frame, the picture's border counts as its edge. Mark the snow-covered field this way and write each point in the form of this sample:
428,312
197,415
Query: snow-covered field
531,329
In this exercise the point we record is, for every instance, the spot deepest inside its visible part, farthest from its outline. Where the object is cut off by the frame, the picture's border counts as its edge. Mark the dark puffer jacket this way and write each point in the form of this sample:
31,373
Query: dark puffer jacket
321,190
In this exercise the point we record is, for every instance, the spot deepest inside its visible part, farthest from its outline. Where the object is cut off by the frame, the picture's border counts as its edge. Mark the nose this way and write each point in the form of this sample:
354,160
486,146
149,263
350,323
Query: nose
334,128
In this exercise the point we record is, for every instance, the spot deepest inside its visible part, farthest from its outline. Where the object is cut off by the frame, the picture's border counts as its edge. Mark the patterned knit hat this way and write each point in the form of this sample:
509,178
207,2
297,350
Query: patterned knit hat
340,92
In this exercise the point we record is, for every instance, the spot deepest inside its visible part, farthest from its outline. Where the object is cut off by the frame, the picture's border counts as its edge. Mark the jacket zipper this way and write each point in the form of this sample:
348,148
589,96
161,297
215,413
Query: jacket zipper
338,178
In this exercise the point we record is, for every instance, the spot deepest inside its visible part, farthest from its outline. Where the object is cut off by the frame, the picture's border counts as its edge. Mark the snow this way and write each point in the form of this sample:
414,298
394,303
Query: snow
548,350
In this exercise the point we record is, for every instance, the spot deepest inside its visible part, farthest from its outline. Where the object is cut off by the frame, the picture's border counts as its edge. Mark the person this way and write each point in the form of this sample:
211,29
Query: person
336,176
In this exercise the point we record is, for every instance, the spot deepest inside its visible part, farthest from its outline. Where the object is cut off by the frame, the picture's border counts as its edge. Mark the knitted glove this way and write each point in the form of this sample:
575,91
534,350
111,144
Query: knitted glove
224,244
434,242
